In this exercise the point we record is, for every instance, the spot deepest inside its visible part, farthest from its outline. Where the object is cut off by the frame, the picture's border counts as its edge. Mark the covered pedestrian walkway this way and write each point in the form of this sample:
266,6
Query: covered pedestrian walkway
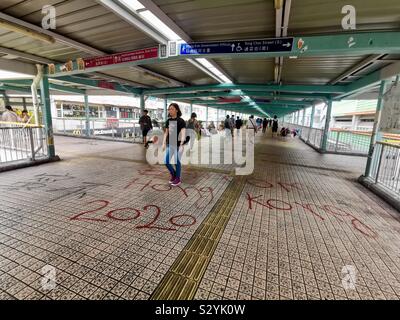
292,221
105,220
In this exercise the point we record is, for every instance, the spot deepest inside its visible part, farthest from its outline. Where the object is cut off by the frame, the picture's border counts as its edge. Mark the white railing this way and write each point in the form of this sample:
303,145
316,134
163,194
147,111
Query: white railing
121,129
385,167
22,143
348,142
309,135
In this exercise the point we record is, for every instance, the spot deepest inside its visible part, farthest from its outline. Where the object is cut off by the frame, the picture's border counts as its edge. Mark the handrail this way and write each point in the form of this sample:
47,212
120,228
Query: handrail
389,144
21,124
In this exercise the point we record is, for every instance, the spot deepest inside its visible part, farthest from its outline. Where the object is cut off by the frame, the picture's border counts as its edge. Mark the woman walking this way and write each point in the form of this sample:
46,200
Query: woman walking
174,139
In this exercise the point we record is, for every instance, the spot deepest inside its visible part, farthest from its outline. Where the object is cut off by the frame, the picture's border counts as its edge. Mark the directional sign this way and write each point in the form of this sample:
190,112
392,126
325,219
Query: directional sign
122,57
238,46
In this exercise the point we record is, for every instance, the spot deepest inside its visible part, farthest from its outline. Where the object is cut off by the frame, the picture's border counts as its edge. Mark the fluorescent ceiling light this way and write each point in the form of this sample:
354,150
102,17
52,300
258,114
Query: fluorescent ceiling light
138,8
133,4
225,79
13,75
205,63
160,26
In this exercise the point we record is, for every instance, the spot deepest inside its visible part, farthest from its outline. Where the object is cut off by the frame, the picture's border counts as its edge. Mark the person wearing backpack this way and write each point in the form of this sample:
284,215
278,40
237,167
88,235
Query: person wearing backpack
145,125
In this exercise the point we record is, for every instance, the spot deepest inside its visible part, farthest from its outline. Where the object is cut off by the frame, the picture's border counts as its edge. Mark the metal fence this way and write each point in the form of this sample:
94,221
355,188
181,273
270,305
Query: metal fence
22,143
340,141
348,142
309,135
385,167
126,130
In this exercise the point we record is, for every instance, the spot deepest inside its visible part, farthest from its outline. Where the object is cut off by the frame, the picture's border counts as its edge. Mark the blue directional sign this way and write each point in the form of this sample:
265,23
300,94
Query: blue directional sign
238,46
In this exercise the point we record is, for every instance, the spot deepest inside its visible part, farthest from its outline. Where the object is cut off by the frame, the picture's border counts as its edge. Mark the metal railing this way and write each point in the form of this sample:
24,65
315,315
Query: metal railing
126,130
339,141
385,167
309,135
348,141
22,143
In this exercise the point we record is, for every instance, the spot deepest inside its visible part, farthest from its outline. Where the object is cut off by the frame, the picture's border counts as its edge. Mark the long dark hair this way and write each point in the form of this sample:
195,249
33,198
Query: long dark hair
178,110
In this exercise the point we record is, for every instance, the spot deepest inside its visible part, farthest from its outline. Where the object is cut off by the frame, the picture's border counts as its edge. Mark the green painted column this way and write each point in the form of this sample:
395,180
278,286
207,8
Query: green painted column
87,115
165,111
326,129
377,120
312,116
46,110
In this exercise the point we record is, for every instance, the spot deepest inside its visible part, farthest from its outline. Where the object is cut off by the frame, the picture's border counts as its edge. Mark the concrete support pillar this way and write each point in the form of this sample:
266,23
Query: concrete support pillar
206,116
46,109
375,128
327,122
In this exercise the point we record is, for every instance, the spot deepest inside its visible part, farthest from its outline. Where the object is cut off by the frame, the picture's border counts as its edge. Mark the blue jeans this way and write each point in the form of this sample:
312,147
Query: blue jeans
173,151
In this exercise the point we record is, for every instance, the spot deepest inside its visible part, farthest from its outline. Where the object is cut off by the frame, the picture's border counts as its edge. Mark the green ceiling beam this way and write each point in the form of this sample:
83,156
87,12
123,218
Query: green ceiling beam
80,81
249,87
57,87
15,88
358,43
52,87
26,82
100,84
267,94
245,101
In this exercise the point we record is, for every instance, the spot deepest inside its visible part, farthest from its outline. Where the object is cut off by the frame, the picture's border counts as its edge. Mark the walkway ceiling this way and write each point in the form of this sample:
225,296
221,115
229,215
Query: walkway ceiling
88,28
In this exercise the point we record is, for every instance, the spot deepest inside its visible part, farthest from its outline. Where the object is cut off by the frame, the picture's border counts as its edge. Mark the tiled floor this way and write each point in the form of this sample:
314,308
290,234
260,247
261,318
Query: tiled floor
112,227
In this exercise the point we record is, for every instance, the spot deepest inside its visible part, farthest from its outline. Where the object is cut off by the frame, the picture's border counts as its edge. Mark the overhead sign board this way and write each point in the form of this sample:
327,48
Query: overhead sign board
123,57
238,46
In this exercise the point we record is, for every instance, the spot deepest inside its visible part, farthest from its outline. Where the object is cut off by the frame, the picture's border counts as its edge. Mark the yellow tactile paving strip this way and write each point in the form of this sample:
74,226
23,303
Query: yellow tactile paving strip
183,278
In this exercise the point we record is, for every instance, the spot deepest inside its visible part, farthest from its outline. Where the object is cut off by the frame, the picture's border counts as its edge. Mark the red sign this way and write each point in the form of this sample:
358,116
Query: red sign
122,57
112,123
229,100
106,85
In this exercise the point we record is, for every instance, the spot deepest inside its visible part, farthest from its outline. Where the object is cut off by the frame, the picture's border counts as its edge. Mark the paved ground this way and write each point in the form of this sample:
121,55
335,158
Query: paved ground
112,228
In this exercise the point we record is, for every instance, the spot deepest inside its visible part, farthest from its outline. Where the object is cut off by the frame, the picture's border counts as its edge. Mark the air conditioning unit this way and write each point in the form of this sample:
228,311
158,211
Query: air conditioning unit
173,48
163,51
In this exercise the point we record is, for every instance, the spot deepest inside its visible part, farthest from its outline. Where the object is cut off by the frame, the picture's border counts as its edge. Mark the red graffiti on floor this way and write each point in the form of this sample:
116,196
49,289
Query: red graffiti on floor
157,172
314,209
205,194
129,214
264,184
